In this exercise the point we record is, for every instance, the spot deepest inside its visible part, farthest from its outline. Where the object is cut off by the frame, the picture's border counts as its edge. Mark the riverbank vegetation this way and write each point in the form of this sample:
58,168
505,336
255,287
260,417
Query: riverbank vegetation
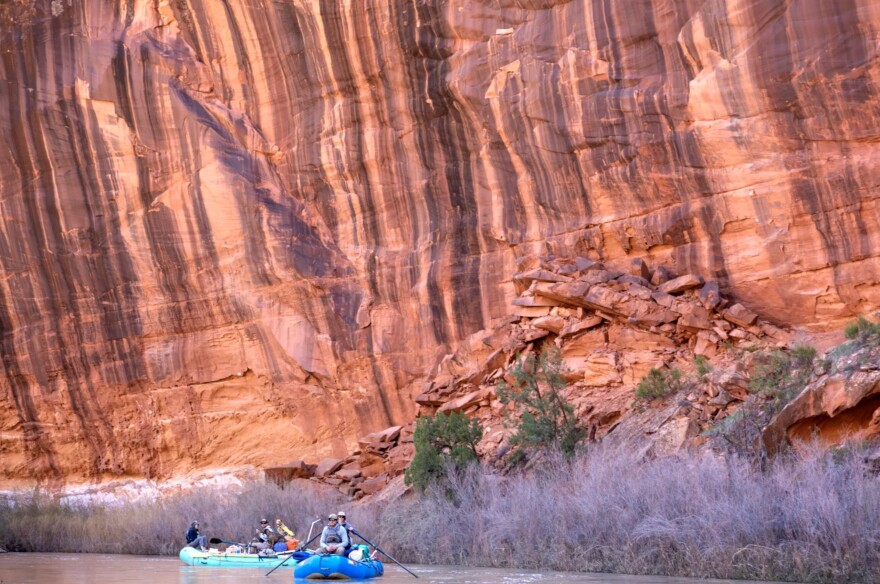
807,518
38,522
811,518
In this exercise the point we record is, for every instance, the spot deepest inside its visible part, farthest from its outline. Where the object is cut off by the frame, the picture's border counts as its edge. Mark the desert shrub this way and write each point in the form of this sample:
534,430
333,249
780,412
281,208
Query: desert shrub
776,378
541,415
702,366
441,441
860,334
803,355
863,331
808,518
740,432
659,383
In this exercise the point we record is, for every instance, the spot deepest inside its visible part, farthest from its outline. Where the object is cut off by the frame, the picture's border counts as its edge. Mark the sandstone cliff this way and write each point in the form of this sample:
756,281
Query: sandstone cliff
228,226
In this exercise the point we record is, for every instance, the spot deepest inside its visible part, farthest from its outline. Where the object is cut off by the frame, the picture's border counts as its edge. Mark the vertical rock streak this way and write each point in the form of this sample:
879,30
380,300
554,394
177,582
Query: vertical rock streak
213,207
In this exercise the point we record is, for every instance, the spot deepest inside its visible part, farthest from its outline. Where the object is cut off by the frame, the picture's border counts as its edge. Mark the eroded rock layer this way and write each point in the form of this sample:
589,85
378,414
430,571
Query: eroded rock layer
231,225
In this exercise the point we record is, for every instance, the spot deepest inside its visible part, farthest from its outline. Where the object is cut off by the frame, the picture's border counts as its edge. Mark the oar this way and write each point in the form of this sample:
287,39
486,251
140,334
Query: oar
298,548
384,552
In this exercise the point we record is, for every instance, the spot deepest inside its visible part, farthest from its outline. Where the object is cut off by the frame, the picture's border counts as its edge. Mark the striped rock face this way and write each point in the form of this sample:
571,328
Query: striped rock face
245,232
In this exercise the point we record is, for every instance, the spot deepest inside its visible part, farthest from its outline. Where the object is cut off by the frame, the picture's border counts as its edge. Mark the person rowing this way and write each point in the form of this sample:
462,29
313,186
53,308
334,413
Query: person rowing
334,538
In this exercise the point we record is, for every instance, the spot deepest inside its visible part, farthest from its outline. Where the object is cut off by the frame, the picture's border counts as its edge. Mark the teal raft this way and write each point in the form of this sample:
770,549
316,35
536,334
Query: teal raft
335,567
216,559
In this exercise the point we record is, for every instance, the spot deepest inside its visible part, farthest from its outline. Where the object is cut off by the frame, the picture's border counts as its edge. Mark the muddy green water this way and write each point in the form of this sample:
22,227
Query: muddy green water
110,569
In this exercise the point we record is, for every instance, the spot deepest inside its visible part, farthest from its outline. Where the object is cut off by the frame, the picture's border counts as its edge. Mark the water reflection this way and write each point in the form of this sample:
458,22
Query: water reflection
110,569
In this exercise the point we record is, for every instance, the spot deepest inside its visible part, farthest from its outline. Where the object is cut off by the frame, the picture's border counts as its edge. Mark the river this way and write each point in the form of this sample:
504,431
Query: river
17,568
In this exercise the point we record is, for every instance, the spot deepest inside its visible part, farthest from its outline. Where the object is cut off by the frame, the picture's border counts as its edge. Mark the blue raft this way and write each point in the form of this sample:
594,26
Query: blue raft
335,567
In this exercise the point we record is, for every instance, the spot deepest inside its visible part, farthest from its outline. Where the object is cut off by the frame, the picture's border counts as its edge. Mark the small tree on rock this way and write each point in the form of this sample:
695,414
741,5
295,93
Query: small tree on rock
541,414
441,441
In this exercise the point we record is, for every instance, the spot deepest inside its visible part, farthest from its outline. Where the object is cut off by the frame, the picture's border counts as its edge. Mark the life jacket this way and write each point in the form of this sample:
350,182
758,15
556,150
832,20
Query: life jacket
264,533
333,535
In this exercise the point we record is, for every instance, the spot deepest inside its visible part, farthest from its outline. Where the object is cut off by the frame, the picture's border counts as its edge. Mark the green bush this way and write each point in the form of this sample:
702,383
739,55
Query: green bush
702,366
779,376
776,378
439,442
542,416
659,383
864,332
803,355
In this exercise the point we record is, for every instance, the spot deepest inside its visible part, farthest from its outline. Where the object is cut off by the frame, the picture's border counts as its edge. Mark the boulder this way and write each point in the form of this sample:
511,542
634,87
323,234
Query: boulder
639,267
732,381
707,344
710,295
535,301
696,319
465,401
374,485
600,369
574,328
347,474
531,311
584,264
660,276
628,337
286,473
373,470
387,435
327,466
571,293
551,323
740,315
831,410
598,276
539,275
681,284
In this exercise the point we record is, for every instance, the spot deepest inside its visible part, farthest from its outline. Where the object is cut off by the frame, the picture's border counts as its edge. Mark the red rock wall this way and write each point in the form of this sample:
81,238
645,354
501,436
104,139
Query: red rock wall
228,225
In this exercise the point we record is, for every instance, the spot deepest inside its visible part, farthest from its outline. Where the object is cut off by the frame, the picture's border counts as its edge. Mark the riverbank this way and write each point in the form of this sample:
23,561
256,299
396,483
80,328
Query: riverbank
810,518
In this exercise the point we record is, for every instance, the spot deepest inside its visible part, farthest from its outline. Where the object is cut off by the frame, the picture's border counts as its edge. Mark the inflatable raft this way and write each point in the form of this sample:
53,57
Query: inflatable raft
335,567
217,559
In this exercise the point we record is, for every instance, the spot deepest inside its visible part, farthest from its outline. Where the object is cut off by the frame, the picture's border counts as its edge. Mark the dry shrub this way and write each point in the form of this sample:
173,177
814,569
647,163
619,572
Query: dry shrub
810,519
37,522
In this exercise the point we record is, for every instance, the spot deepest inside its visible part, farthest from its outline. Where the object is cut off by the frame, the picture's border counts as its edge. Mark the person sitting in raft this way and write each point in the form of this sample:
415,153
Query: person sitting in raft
348,528
334,538
286,533
264,533
194,539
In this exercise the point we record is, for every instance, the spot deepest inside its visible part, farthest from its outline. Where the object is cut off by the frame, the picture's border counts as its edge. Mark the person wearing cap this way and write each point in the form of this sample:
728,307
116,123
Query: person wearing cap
194,539
343,522
348,528
334,538
264,532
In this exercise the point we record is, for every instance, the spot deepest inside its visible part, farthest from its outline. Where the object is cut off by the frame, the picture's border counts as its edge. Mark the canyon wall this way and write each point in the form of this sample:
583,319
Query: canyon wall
237,233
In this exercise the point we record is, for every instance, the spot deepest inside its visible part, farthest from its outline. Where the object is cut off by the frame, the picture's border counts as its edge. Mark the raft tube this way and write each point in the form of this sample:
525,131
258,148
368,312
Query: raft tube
335,567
